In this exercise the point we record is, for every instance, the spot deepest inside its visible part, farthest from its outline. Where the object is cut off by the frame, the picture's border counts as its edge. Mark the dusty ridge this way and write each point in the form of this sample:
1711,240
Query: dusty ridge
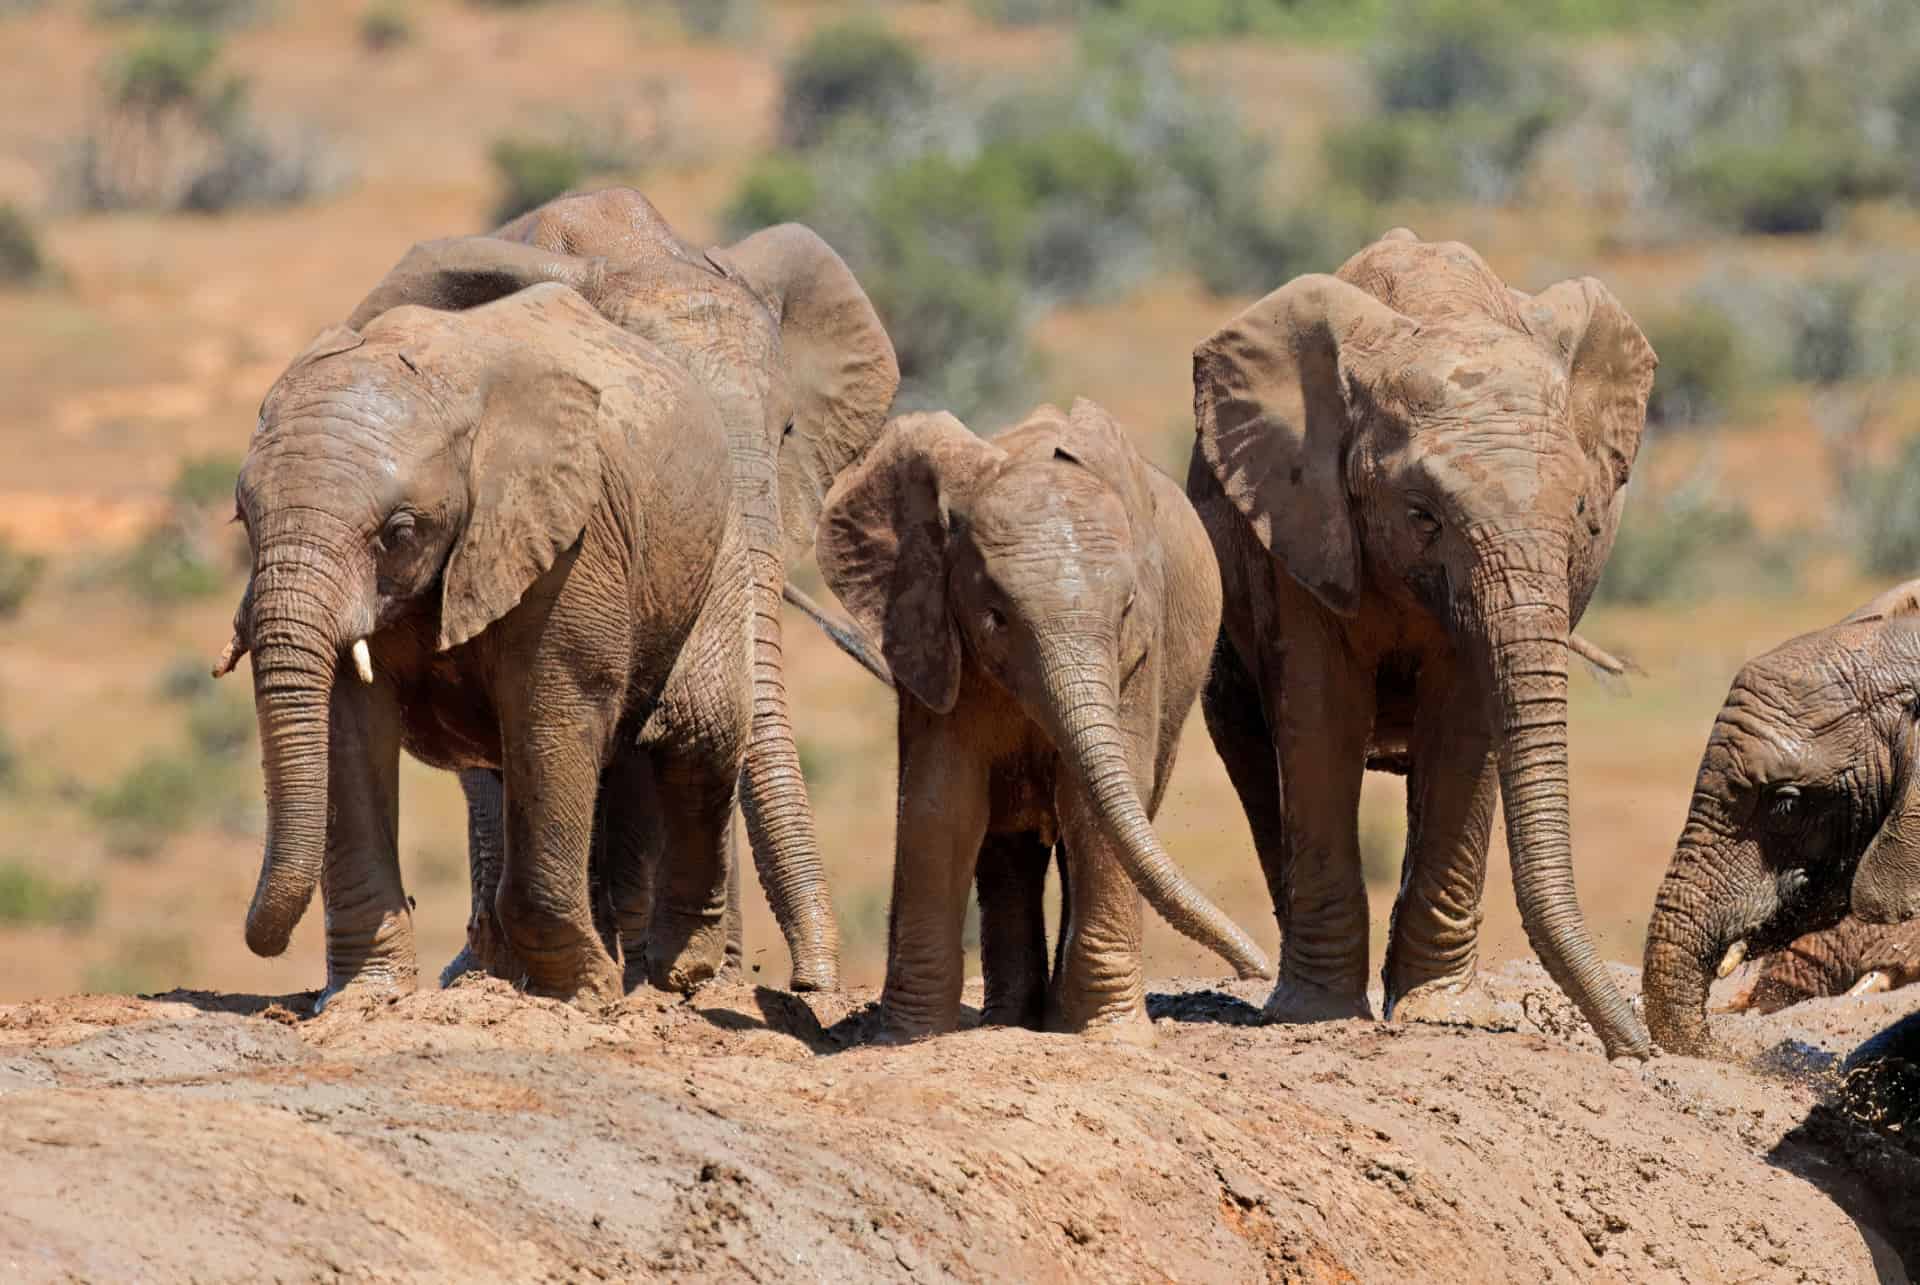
475,1133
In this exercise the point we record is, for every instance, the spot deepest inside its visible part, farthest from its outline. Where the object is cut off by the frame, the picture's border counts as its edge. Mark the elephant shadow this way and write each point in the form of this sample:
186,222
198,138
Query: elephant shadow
1860,1146
291,1007
1210,1006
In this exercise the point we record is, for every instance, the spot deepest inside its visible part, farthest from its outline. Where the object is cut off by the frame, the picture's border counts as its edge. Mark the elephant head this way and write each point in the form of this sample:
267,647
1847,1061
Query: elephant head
1047,578
418,476
781,336
1412,428
1807,804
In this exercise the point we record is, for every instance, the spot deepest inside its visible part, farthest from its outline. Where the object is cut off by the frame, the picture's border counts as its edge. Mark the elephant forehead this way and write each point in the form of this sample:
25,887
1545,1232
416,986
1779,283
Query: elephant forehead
1474,373
1055,509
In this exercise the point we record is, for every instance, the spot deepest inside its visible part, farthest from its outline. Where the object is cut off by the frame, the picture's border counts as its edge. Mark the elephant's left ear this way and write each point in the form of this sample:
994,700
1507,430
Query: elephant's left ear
533,479
1610,366
1886,884
840,366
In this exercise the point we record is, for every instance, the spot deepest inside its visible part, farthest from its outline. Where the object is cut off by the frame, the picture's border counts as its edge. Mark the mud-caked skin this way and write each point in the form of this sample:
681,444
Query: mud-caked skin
1046,602
1804,810
1412,476
1850,958
504,540
776,331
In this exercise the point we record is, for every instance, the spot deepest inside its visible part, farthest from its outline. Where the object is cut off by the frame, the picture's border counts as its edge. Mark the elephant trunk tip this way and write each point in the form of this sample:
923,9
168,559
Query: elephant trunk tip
267,934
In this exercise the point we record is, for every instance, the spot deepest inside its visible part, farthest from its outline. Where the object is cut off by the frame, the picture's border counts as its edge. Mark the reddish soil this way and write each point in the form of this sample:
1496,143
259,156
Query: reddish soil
476,1133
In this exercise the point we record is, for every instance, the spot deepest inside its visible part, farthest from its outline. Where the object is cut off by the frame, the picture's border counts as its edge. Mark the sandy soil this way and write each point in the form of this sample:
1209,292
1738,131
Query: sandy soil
743,1135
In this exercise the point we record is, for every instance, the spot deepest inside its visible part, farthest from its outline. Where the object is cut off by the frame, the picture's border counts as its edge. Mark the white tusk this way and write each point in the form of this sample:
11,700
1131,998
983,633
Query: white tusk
363,661
1870,982
1736,955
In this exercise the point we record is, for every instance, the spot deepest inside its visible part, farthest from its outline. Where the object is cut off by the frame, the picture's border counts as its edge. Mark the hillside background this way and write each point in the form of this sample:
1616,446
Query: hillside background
1045,198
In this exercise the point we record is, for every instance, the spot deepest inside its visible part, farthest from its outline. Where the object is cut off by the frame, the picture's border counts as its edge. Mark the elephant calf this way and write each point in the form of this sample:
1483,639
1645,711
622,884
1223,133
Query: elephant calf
518,522
1046,603
1807,804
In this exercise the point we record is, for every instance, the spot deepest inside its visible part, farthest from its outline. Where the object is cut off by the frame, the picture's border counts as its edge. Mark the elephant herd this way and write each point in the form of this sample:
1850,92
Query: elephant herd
528,514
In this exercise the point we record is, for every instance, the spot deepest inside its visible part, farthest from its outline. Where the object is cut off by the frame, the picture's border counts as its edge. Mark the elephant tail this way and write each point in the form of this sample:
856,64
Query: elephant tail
844,633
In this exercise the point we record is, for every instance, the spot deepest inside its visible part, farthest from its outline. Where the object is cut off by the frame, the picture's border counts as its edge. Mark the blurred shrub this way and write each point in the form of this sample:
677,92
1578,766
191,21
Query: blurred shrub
779,189
532,172
1854,325
220,725
1678,541
30,898
193,550
188,13
853,68
386,24
185,678
168,566
1880,510
175,135
1466,95
19,573
156,799
1761,119
1700,365
207,481
9,763
144,964
719,19
21,262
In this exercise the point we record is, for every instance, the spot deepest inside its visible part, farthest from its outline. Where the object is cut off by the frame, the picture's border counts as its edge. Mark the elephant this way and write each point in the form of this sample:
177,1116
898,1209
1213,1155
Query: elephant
1850,958
785,342
1045,602
1806,807
1412,476
518,521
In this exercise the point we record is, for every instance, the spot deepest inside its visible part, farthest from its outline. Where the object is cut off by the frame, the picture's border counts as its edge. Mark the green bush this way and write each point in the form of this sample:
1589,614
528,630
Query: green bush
386,24
9,763
168,566
779,189
853,68
1672,543
30,898
719,19
187,13
145,964
1776,186
206,481
1700,365
1446,55
21,262
156,799
1881,508
532,172
19,573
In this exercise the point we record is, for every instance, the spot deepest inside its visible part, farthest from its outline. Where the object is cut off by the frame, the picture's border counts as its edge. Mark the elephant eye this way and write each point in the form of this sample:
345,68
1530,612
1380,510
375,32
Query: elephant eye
994,620
1783,799
1424,524
397,531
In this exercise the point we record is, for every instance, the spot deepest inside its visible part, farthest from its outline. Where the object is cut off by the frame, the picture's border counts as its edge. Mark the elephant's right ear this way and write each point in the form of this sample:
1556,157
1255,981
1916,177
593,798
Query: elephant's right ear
1901,600
1886,883
458,273
883,547
1270,405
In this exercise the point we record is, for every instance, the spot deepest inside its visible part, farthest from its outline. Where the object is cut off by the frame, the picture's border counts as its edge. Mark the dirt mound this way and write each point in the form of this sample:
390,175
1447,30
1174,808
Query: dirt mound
747,1134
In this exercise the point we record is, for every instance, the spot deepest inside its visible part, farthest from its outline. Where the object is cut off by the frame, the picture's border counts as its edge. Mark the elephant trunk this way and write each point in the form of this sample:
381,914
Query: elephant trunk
1081,703
1527,632
786,850
1691,931
295,655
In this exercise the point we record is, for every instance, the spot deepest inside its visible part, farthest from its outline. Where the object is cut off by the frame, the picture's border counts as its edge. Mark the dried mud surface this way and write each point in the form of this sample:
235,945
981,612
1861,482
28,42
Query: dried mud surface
745,1135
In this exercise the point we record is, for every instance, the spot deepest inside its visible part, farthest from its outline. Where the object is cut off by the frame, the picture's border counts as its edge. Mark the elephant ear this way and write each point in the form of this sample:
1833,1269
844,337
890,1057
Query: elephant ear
1610,367
458,273
1091,438
840,366
533,478
1901,600
330,342
1272,407
883,547
1886,883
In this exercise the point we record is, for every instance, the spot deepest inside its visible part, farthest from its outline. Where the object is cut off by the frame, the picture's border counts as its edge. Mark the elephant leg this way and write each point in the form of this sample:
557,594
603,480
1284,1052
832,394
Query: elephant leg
369,919
1011,878
1324,710
687,936
1232,705
631,845
1433,943
942,821
552,778
1099,988
486,950
735,967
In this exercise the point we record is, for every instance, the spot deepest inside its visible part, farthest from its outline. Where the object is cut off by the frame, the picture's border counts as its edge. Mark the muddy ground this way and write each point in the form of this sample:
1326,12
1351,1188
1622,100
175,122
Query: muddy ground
743,1135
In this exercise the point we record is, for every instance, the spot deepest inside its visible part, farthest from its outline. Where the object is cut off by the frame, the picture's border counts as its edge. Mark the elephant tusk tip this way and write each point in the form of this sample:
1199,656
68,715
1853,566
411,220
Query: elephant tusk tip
363,661
229,658
1871,983
1735,956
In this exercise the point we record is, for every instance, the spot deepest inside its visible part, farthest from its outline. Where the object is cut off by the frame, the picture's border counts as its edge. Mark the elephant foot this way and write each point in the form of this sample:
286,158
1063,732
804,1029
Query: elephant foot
1449,1003
368,984
1128,1025
597,987
1297,1002
459,966
692,951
